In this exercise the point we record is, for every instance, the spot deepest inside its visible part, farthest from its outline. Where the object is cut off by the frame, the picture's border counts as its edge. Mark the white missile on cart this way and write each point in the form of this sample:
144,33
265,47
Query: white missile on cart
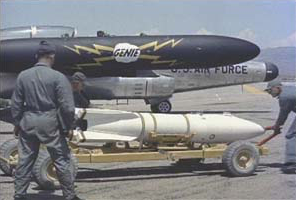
201,128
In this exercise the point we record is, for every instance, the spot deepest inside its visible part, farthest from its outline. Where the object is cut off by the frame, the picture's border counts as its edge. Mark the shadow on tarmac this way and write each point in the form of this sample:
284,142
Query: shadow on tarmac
45,194
272,165
165,171
147,173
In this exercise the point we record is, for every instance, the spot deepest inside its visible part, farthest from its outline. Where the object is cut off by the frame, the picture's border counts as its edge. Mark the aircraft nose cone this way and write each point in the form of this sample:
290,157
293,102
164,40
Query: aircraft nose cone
272,71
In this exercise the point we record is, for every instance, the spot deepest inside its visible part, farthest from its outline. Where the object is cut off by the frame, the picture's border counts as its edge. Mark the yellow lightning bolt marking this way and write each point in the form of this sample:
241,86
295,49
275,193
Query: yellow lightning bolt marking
159,46
170,62
156,61
97,63
149,57
98,48
103,59
77,49
88,64
103,48
95,50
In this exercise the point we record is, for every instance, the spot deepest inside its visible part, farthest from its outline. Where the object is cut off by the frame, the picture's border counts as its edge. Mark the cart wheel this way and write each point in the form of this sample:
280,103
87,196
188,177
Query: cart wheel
44,171
240,158
9,151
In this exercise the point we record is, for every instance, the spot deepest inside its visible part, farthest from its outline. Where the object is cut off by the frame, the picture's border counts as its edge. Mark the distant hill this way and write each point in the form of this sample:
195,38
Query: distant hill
283,57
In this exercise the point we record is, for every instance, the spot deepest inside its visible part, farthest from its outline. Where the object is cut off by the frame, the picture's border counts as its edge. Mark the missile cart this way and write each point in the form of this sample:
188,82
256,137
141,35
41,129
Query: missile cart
129,137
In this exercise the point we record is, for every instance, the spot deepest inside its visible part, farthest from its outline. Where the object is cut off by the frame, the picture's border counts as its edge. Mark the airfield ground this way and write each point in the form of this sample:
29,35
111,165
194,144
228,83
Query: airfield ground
163,180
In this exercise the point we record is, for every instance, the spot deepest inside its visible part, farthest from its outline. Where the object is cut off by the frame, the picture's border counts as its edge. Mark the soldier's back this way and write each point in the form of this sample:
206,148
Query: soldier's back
39,84
288,96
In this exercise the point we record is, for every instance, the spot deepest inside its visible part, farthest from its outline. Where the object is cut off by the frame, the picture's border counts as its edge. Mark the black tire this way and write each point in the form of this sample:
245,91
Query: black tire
162,107
44,174
7,149
240,158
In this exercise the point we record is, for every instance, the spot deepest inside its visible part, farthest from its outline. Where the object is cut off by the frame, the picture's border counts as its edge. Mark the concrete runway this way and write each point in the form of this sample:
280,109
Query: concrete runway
162,180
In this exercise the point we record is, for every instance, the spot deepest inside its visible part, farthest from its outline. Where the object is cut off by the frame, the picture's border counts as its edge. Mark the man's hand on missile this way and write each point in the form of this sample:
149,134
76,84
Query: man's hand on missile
70,134
16,131
275,128
268,128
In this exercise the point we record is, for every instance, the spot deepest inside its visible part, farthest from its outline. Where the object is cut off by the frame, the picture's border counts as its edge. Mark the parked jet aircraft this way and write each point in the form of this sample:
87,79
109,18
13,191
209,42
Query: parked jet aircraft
192,63
156,87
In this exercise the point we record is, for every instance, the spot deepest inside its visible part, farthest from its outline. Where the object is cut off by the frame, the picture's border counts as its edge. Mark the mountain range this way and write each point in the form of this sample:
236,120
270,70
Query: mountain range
283,57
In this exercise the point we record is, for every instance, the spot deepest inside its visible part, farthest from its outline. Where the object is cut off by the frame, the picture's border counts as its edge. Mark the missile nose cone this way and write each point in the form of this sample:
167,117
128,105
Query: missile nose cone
272,71
246,50
253,129
227,50
253,50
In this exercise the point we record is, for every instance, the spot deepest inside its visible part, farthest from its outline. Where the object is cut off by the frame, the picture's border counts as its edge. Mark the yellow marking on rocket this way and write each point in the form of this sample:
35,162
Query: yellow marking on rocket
77,49
104,48
98,48
158,46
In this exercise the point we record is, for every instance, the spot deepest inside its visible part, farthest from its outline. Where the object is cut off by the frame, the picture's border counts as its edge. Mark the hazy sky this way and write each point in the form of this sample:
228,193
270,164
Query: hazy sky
268,23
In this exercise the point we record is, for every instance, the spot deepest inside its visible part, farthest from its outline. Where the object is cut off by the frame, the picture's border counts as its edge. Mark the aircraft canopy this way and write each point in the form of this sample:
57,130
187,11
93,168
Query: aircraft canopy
37,32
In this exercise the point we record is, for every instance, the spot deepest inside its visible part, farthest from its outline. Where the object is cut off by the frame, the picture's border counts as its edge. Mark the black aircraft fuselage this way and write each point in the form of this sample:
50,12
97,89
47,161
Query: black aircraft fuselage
121,55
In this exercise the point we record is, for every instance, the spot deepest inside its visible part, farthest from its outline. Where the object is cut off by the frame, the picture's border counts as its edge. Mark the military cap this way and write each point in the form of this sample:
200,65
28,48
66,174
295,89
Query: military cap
45,48
272,84
78,76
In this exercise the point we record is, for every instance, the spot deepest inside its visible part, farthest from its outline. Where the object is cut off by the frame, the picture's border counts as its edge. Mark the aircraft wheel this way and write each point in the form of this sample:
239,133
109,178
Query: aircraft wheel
162,107
45,174
9,151
240,158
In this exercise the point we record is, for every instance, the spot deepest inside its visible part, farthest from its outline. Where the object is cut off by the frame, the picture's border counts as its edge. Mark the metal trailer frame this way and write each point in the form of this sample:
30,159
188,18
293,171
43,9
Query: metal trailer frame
170,147
165,147
125,152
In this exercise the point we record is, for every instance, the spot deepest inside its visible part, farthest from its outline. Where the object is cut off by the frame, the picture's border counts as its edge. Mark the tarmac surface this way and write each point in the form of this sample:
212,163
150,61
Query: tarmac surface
162,179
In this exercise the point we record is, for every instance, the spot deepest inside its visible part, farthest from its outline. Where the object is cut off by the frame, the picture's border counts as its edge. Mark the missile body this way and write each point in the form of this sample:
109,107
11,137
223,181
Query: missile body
108,55
203,128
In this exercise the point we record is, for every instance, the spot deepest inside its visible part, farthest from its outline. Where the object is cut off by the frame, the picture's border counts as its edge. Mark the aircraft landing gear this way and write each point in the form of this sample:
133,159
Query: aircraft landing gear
162,107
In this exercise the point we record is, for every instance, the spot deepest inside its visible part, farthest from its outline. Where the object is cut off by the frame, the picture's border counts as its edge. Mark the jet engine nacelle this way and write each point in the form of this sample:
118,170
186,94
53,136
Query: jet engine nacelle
127,87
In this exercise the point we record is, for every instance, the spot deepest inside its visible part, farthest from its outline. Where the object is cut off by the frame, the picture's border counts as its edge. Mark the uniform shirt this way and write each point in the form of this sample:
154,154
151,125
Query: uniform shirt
42,92
80,99
287,102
